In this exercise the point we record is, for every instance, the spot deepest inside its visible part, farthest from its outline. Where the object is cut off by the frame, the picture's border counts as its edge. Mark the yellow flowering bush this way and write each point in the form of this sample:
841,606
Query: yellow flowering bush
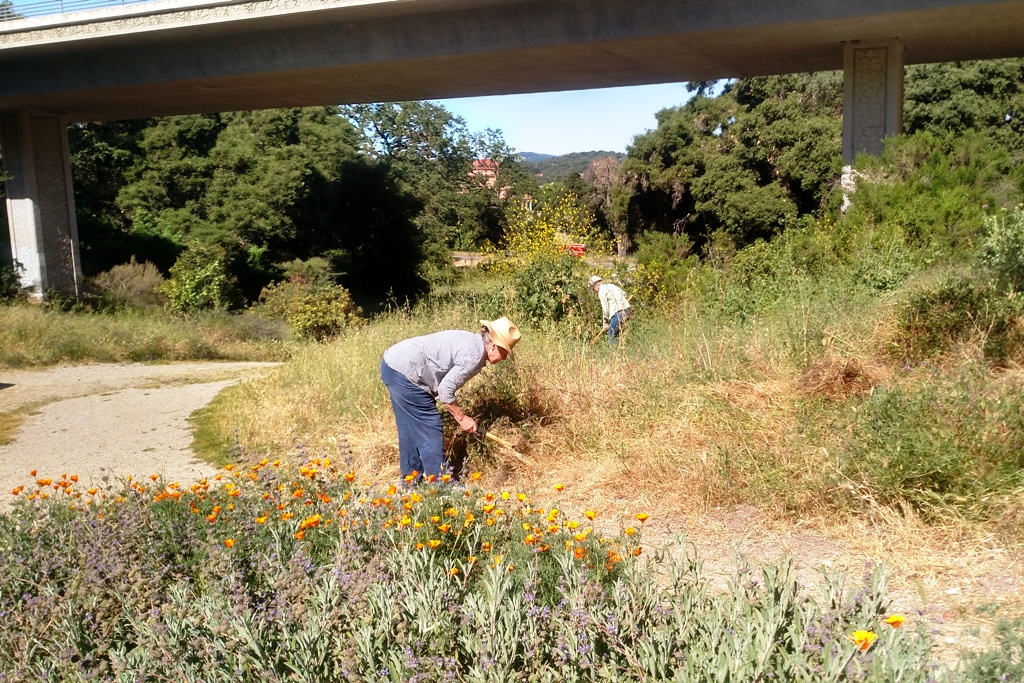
547,276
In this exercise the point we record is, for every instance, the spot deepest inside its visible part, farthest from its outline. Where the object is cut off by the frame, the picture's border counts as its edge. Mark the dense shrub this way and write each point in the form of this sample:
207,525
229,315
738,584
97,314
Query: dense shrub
131,284
1003,248
309,301
927,194
200,281
945,444
956,312
669,259
10,282
1006,662
549,282
550,288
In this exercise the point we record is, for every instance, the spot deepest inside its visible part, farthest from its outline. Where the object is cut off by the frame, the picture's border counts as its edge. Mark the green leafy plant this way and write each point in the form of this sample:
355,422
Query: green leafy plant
549,288
309,300
10,282
200,281
1003,248
1005,662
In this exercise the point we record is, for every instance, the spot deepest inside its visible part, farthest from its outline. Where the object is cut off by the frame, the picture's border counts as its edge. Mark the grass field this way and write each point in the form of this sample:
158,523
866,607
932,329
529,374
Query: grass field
837,414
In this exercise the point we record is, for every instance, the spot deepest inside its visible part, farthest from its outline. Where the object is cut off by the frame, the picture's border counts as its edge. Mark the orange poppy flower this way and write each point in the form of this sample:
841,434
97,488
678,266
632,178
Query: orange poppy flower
863,639
896,620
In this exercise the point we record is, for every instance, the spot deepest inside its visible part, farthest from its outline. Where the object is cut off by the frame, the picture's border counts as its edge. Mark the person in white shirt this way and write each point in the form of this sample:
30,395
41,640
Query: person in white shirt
615,307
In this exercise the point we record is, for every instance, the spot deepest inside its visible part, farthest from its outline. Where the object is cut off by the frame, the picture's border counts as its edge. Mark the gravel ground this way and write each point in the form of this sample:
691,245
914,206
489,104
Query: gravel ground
110,419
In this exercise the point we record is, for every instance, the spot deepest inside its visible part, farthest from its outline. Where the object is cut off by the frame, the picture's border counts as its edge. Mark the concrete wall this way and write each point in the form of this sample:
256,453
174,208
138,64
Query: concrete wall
40,202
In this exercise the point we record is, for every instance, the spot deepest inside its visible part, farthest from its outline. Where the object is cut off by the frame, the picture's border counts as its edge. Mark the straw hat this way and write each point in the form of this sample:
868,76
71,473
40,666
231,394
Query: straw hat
503,333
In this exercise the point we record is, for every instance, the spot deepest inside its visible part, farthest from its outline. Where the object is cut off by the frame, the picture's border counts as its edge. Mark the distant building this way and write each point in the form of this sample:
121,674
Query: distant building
487,171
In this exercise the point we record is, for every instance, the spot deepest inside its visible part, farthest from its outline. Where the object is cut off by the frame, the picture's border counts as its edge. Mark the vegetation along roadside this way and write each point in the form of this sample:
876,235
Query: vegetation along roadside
852,375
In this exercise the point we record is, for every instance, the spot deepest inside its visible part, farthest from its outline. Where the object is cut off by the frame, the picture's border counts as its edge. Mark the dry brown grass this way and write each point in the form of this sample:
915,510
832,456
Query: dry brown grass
836,378
10,423
706,434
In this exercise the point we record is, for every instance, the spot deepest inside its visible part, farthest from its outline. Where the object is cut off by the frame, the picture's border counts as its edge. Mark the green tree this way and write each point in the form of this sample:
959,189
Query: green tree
432,155
265,187
604,194
744,163
7,11
103,155
956,97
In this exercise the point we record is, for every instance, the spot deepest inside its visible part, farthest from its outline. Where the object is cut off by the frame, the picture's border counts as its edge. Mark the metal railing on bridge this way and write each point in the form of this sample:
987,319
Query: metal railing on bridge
42,8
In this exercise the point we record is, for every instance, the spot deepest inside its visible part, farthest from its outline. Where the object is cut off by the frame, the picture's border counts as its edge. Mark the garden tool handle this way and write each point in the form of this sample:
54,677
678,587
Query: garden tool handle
484,434
492,437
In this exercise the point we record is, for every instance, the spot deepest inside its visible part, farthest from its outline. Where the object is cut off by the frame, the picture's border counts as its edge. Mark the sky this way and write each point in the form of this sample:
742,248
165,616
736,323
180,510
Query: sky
570,121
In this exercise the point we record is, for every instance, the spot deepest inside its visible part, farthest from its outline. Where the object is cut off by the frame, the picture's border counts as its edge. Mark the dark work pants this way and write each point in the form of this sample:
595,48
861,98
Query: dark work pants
420,440
616,323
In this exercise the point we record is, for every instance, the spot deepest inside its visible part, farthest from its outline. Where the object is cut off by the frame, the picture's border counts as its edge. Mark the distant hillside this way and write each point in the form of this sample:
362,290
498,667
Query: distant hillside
548,167
534,157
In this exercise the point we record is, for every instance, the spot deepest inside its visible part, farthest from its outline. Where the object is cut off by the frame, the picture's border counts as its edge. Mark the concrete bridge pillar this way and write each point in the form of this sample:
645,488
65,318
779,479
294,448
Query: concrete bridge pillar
40,202
872,96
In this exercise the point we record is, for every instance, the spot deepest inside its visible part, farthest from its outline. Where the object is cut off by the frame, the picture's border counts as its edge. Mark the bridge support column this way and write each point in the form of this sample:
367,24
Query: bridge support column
872,96
40,202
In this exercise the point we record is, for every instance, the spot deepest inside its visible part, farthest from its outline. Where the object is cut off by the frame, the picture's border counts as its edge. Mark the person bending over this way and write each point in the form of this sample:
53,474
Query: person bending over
420,371
615,307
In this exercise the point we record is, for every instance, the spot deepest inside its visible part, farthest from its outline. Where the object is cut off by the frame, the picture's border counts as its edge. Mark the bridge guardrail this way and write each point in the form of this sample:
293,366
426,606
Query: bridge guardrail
42,8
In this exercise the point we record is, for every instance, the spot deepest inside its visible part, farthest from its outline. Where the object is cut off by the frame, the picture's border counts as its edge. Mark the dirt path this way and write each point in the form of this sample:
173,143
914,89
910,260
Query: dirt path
109,419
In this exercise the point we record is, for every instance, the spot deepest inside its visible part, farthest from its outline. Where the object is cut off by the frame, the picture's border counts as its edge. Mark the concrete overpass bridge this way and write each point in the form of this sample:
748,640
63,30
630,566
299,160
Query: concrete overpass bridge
192,56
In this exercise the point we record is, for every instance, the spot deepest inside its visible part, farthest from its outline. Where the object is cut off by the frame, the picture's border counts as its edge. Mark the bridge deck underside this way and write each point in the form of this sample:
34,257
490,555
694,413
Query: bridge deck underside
182,63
